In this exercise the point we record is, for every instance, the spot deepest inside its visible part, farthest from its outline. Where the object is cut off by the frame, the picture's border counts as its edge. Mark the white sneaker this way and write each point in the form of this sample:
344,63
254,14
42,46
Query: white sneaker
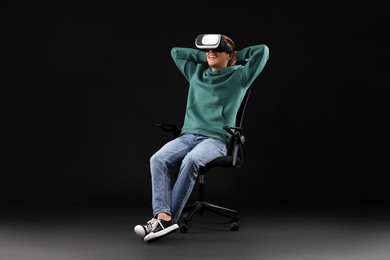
143,230
160,228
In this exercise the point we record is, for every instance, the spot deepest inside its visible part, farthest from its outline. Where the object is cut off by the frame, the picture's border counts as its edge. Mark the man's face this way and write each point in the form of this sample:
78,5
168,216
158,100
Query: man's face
217,60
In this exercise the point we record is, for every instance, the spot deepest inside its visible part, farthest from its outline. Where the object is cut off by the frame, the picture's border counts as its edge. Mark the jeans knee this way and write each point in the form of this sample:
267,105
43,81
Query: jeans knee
159,160
155,159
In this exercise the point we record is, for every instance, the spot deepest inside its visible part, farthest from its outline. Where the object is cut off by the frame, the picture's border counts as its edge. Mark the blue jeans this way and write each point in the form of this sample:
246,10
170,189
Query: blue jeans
192,151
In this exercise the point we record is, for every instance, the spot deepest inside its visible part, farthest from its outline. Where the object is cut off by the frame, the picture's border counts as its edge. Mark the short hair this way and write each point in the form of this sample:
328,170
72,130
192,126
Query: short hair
228,41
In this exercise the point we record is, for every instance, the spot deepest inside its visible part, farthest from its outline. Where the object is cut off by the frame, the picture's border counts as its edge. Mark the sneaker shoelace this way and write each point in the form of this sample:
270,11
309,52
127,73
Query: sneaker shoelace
151,224
157,223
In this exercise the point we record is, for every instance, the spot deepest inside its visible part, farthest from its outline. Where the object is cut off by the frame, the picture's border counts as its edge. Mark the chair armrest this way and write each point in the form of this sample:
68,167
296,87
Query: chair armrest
236,132
169,128
237,141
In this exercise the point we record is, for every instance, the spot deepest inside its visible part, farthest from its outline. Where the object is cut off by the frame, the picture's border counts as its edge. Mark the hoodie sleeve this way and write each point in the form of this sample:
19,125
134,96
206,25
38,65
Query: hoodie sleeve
255,58
187,59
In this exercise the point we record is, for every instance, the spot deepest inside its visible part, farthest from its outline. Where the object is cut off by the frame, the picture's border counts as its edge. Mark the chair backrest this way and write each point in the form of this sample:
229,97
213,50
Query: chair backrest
235,156
236,145
241,110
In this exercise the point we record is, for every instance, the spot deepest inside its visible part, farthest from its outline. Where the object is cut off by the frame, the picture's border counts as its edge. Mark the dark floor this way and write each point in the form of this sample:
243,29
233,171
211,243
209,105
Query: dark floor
107,234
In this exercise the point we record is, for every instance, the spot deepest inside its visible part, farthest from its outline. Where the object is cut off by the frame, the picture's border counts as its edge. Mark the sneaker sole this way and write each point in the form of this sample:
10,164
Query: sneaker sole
154,236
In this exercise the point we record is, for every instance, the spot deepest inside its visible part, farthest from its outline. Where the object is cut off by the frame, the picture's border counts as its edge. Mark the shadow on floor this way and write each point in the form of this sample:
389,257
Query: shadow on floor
107,234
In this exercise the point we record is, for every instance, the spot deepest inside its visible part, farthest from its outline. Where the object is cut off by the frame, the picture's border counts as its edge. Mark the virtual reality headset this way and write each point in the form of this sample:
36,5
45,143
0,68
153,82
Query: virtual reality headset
213,42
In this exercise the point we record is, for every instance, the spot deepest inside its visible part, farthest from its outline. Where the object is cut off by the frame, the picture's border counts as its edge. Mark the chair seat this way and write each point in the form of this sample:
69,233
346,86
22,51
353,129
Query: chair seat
223,161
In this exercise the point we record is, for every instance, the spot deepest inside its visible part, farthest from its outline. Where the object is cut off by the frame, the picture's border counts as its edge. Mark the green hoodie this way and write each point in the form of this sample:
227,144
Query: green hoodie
214,97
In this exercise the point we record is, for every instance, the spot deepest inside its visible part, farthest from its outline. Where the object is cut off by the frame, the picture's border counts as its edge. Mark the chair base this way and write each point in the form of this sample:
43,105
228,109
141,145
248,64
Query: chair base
200,206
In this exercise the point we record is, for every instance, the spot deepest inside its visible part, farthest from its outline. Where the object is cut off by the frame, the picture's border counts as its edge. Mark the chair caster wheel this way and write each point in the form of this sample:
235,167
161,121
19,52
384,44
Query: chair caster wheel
183,228
234,226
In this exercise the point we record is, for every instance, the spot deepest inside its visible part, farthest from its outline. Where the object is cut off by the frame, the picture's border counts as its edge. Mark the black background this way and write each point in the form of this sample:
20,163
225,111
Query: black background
84,84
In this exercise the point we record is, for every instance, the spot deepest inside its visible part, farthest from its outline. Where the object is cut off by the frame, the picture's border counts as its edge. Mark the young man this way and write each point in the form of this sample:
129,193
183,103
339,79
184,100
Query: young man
214,97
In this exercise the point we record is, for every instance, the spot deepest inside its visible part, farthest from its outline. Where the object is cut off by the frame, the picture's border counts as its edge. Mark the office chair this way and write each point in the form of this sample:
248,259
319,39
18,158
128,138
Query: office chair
233,159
